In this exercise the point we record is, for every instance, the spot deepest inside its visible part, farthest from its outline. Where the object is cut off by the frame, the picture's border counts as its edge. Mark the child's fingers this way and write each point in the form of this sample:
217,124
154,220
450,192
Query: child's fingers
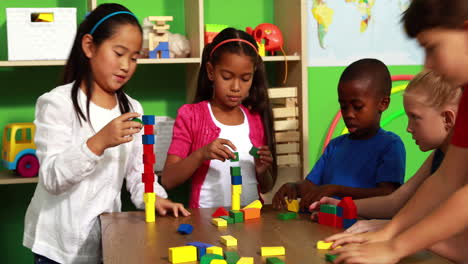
226,153
314,206
131,124
127,116
228,143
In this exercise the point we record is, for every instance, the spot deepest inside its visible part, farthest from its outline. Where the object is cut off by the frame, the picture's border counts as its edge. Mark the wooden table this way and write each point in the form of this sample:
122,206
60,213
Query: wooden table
127,238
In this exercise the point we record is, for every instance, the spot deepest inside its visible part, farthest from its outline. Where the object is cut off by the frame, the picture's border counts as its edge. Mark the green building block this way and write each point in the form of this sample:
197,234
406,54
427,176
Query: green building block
254,152
236,171
287,216
330,257
207,258
237,215
329,209
274,260
237,157
137,120
231,257
228,219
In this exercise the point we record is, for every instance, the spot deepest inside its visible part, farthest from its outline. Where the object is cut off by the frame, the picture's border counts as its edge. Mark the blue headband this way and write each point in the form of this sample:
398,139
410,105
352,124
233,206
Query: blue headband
106,17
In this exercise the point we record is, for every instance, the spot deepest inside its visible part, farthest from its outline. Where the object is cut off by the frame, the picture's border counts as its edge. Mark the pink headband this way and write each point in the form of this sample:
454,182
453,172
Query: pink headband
232,40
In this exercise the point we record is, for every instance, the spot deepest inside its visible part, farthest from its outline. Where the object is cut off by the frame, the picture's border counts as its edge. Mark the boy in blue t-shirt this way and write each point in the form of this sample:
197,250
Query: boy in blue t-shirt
368,161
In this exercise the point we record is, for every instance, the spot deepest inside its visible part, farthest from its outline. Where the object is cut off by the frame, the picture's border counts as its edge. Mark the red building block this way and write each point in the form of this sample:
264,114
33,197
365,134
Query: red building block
148,168
349,208
147,177
148,149
149,158
330,220
220,212
149,187
148,129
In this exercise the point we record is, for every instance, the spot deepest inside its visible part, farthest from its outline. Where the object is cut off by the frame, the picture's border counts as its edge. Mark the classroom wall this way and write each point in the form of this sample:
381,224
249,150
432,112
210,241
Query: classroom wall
160,89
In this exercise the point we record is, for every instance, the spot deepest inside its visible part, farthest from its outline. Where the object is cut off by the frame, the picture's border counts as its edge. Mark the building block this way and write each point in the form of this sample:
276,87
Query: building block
324,245
148,168
135,119
347,223
228,241
149,200
236,189
231,257
149,188
237,157
331,209
254,152
214,250
148,139
330,257
235,201
148,177
148,119
349,208
208,258
219,212
185,229
246,260
148,149
254,204
219,261
261,49
272,251
237,215
274,260
293,205
149,158
182,254
162,49
236,180
235,171
148,129
201,248
330,220
219,222
228,219
287,216
251,213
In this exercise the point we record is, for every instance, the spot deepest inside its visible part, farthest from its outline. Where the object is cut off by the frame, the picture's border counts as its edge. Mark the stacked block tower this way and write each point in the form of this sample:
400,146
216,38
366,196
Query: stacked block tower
159,38
342,215
149,159
236,183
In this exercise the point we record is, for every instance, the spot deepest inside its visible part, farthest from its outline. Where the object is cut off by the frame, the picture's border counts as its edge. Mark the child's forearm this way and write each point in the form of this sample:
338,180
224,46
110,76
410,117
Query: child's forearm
446,221
178,170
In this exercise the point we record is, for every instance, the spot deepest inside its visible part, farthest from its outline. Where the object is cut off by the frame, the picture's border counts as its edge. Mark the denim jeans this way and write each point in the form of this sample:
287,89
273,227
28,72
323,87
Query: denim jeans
38,259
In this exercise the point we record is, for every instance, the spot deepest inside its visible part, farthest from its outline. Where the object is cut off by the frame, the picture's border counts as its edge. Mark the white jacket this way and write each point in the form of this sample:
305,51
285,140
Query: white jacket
75,185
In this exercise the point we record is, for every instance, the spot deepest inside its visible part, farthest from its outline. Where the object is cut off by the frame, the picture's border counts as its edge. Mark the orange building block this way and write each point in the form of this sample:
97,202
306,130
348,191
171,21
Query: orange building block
251,213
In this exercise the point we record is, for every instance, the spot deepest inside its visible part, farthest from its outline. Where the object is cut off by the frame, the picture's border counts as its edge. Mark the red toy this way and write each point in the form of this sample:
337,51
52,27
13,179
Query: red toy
270,33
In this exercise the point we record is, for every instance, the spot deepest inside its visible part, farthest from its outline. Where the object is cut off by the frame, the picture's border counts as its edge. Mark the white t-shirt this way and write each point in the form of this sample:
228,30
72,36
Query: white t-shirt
216,189
75,185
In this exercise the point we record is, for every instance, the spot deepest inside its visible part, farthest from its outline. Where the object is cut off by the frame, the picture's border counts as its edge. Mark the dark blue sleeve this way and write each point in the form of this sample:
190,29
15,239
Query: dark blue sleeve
391,167
316,174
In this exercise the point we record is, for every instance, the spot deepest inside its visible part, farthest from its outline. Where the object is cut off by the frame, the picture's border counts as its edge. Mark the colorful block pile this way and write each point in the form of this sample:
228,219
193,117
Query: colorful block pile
342,216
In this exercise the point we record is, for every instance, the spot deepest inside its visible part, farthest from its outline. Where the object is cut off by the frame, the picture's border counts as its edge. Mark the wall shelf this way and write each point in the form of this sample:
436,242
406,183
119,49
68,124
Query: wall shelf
8,177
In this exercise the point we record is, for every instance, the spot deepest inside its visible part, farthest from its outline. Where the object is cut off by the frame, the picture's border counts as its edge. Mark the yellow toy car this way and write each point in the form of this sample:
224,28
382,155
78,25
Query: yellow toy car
19,150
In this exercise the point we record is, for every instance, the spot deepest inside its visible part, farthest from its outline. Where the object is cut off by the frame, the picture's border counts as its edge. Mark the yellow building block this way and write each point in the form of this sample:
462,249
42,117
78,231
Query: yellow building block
272,251
218,261
215,250
245,260
235,201
324,245
150,200
182,254
219,222
228,241
236,189
254,204
293,206
261,49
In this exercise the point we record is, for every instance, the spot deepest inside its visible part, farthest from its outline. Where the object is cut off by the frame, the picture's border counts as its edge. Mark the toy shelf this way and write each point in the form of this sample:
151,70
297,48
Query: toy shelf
8,177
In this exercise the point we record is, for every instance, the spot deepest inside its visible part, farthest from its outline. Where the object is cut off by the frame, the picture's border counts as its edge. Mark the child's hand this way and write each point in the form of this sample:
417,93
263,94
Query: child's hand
263,163
289,190
218,150
315,206
363,226
347,238
316,194
162,205
372,253
116,132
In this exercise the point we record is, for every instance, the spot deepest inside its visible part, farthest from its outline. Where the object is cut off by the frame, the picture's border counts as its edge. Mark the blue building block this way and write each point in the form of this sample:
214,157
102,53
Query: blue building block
185,229
347,223
236,180
339,211
162,48
148,119
148,139
201,248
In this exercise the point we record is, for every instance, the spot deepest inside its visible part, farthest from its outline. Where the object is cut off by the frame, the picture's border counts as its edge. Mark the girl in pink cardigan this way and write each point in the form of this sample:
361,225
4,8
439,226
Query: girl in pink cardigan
231,113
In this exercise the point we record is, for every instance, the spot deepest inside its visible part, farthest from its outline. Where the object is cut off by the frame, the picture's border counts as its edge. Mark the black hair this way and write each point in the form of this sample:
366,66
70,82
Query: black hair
257,101
426,14
370,69
78,68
